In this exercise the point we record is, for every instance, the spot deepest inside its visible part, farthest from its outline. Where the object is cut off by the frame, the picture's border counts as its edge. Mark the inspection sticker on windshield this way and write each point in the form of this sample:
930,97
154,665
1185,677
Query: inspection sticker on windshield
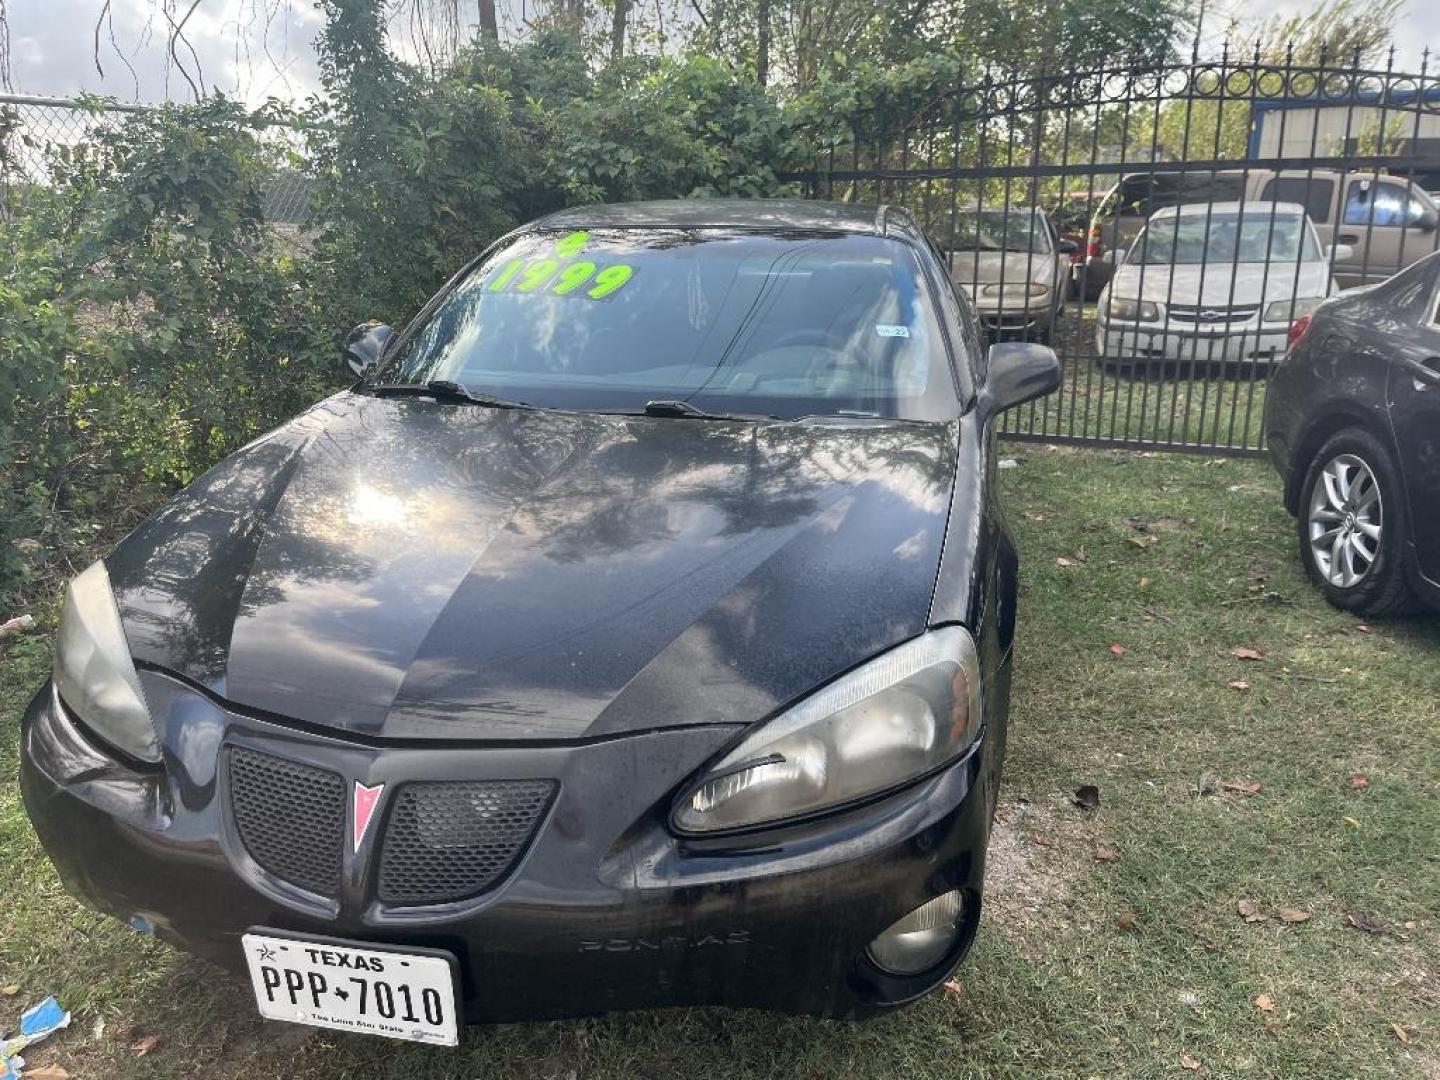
891,330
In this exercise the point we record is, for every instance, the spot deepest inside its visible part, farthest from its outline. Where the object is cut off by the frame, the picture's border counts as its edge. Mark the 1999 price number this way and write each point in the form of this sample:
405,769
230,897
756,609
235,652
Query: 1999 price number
559,278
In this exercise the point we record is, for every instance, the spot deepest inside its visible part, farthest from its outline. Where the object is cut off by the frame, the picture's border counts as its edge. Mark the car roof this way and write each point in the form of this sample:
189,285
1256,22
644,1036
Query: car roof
806,214
1258,206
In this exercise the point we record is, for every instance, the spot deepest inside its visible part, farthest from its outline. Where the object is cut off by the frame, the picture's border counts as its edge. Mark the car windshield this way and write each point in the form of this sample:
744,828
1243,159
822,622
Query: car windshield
999,230
1257,237
787,324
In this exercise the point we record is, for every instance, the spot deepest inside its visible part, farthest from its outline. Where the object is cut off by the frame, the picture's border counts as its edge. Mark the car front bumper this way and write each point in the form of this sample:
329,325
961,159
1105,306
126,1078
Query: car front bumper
1172,343
607,909
1012,319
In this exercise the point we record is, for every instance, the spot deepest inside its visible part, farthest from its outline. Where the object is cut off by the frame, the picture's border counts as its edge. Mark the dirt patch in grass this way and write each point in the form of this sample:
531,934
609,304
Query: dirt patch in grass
1026,896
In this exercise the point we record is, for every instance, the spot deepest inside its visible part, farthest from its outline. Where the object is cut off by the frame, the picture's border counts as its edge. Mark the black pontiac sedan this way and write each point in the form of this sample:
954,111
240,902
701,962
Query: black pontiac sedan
1353,424
636,631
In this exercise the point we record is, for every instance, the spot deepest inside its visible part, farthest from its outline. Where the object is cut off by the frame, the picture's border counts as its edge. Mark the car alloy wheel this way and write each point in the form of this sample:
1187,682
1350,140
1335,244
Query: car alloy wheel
1346,520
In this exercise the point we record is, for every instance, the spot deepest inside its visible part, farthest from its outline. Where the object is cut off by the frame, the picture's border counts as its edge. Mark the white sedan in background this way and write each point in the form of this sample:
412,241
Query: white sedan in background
1214,282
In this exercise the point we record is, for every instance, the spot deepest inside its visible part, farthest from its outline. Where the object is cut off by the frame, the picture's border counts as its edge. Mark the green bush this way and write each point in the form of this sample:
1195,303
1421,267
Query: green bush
154,324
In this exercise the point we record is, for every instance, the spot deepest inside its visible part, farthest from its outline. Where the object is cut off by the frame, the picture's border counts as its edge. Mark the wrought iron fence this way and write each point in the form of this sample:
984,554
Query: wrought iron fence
1163,226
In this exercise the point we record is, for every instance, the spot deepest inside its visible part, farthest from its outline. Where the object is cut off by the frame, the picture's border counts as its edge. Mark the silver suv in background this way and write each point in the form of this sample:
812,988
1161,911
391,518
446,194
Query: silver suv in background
1386,222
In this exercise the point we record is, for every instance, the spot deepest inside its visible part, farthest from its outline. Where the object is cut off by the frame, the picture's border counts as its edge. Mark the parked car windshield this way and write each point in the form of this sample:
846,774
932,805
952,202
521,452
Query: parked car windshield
1192,239
777,323
1000,230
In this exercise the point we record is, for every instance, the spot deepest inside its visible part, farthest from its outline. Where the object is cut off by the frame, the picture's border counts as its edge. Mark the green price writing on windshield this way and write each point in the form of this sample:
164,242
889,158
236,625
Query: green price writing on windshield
562,279
610,279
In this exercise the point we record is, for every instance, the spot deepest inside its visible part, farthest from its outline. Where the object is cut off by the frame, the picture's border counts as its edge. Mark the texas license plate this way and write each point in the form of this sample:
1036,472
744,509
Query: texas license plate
352,987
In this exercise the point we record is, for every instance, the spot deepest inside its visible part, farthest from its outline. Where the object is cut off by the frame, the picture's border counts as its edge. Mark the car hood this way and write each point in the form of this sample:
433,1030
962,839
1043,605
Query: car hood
397,567
1216,284
982,267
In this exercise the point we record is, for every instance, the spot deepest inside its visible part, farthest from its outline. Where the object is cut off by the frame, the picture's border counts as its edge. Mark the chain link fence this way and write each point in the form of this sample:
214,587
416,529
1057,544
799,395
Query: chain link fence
34,128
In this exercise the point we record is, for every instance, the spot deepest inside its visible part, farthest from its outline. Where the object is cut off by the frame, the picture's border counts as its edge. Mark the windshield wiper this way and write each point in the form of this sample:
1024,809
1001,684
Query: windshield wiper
453,391
683,410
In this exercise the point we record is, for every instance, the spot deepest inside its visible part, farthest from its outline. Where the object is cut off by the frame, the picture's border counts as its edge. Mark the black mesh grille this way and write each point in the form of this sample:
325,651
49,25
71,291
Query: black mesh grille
451,841
291,818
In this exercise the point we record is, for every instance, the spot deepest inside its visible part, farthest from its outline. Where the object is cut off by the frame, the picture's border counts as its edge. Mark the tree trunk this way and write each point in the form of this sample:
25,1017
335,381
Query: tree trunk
617,29
762,44
488,25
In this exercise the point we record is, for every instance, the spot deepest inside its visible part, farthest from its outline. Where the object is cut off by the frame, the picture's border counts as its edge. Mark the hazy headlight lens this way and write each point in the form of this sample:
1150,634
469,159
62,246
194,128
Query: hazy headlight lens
897,717
1133,310
94,675
921,939
1018,289
1287,311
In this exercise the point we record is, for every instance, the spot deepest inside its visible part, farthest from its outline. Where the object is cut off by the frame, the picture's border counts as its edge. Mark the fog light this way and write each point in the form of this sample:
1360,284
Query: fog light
921,939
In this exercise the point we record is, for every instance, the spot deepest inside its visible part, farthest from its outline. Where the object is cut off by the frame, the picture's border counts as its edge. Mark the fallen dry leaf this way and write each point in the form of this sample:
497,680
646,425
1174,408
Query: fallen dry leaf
1188,1062
9,991
1125,921
1363,920
954,990
1144,581
1106,853
1117,650
1242,787
1361,628
1062,561
47,1072
1244,652
1087,797
1265,1003
146,1045
1401,1033
1239,685
1359,780
1292,915
1041,841
1250,911
1142,542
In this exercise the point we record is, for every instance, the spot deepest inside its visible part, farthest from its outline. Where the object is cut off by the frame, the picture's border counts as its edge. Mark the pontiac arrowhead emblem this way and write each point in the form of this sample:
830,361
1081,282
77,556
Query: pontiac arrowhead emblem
366,799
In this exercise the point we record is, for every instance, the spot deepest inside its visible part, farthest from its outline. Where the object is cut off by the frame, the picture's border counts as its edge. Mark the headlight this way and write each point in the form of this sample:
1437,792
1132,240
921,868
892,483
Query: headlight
1015,288
898,717
1133,310
1287,311
94,675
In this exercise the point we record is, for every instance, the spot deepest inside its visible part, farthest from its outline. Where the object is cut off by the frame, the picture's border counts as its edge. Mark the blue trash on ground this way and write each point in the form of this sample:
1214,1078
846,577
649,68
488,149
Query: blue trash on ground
36,1023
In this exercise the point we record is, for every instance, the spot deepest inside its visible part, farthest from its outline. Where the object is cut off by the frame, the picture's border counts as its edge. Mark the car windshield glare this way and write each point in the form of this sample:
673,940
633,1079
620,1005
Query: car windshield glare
782,323
1221,238
999,230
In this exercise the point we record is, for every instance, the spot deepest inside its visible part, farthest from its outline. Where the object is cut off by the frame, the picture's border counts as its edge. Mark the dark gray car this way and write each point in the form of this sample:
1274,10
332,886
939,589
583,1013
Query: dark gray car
1353,421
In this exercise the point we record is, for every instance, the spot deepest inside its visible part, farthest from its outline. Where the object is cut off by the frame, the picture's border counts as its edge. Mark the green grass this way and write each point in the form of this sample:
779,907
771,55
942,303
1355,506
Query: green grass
1054,987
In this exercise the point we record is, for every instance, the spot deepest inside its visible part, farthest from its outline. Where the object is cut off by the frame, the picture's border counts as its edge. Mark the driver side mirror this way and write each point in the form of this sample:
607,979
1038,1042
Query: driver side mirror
1342,253
1429,220
1066,247
365,345
1017,372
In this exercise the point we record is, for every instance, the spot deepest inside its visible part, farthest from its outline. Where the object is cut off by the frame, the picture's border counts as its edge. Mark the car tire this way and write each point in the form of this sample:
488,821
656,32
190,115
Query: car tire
1352,525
